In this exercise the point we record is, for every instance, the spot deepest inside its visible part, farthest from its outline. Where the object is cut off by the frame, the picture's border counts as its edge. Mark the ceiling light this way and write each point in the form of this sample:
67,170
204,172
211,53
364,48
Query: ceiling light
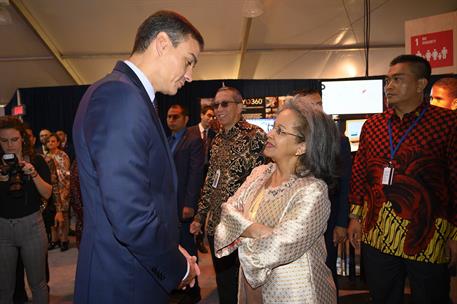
252,8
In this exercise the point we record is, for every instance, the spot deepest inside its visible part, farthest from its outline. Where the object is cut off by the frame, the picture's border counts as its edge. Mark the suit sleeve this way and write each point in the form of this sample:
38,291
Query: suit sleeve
343,187
121,142
195,172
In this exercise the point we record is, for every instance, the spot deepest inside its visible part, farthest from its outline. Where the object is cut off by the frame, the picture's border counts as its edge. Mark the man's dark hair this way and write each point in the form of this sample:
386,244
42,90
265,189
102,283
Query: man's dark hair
184,110
449,84
420,67
205,109
173,24
305,92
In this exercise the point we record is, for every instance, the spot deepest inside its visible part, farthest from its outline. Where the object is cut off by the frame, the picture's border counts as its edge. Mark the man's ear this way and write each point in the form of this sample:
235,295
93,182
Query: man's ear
301,149
162,42
454,104
187,120
422,84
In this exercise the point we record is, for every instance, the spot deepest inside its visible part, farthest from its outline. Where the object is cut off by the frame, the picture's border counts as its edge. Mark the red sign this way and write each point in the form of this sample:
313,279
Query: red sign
18,110
437,48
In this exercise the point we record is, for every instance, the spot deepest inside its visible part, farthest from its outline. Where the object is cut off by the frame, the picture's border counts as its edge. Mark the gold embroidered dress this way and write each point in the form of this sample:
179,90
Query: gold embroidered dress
288,265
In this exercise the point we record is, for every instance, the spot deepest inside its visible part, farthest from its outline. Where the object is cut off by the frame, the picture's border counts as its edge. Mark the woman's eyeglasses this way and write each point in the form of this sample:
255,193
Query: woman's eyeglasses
223,104
279,131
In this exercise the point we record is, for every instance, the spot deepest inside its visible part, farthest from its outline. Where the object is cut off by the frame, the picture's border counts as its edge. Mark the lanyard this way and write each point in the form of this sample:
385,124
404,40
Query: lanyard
393,149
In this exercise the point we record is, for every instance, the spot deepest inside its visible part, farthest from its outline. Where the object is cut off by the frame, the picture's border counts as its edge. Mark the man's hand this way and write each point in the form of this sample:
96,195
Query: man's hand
59,218
355,233
452,249
194,270
195,228
339,235
188,213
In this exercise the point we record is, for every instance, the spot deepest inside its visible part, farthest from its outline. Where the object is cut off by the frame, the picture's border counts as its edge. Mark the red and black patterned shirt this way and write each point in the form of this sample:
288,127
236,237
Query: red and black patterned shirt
415,216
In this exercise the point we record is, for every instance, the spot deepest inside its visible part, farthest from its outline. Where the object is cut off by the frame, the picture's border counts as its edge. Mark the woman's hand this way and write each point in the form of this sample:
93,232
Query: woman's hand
257,231
28,169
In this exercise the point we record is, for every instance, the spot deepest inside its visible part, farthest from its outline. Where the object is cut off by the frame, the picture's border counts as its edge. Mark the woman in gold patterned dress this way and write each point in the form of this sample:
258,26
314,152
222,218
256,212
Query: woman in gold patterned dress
278,217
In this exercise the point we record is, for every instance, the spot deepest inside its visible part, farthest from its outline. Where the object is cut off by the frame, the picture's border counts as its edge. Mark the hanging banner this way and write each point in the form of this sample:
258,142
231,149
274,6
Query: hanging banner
435,39
437,48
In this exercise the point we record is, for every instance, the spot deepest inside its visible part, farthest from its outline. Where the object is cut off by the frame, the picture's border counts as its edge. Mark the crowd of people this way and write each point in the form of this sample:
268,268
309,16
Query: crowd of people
274,206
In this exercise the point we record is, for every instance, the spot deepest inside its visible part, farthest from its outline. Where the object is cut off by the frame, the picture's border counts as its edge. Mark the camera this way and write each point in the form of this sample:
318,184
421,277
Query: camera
14,172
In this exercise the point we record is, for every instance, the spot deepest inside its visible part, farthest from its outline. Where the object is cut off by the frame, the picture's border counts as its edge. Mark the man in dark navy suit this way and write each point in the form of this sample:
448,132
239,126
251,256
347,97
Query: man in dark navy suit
129,248
205,129
188,154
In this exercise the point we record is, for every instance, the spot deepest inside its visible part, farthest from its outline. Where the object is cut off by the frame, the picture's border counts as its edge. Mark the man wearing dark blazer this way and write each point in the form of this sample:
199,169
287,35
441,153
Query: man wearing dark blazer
188,154
129,248
207,134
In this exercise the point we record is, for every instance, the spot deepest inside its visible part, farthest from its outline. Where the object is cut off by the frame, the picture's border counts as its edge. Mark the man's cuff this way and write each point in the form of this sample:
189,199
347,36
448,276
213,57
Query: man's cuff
187,272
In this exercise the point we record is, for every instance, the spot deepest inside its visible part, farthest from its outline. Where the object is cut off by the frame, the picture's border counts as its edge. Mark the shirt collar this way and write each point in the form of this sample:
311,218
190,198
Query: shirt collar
144,80
200,127
240,125
180,133
411,115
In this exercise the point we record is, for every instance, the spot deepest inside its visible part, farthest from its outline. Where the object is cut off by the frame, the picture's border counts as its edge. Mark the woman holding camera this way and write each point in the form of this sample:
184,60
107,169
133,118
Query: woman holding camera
24,179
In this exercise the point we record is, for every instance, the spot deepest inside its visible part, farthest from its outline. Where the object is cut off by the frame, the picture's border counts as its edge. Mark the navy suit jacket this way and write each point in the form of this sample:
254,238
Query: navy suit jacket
128,251
189,160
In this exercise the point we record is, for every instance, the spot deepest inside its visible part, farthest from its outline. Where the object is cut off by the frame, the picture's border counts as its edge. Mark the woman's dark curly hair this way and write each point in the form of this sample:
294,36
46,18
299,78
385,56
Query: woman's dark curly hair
11,122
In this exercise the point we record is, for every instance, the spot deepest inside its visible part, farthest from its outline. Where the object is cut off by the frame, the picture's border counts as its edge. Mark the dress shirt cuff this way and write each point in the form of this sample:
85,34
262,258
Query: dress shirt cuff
187,272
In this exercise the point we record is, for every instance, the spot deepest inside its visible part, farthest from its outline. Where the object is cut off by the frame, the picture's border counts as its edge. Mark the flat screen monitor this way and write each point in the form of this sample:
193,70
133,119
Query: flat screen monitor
265,123
353,130
352,96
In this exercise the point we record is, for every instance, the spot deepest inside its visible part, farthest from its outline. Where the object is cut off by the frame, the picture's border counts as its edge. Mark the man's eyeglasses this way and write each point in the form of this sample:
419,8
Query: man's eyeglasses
279,131
223,104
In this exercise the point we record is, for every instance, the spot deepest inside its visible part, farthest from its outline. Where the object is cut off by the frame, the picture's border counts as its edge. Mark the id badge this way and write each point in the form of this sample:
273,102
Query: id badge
216,178
388,175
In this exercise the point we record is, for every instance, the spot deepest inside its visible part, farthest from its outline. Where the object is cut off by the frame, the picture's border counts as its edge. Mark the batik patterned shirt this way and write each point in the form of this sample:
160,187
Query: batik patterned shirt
234,154
414,216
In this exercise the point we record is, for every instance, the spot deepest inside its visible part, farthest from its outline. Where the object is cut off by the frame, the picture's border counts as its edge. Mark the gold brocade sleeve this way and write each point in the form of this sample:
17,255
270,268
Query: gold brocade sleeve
303,222
227,237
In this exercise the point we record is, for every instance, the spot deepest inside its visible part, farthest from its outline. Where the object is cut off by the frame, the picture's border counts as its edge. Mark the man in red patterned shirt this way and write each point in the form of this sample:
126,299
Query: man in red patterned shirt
403,191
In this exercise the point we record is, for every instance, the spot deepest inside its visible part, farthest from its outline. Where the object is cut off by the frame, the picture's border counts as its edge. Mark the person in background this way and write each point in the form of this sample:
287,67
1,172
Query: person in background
76,202
236,150
62,162
337,224
24,179
127,176
44,134
278,217
65,145
207,134
404,191
444,93
188,154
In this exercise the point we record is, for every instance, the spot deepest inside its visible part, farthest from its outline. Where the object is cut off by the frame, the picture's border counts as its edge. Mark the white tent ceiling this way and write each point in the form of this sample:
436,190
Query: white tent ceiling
67,42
